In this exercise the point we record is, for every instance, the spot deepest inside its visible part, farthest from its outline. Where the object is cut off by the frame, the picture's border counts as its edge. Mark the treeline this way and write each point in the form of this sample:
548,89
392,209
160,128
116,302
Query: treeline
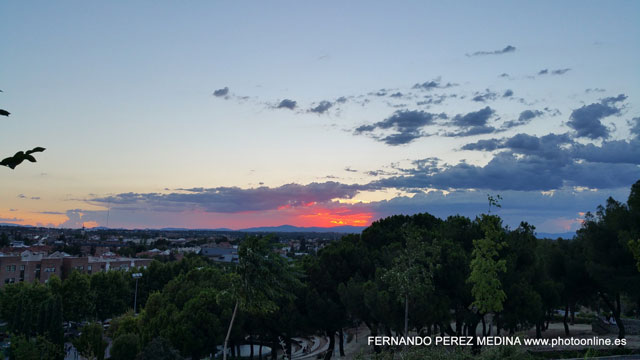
403,274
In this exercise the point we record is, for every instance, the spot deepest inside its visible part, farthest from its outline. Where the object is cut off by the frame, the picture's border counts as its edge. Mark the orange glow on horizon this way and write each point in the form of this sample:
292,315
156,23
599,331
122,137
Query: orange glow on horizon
335,217
32,218
90,224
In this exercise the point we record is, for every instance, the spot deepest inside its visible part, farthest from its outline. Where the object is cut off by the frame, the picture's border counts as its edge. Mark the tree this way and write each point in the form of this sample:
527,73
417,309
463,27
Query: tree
159,349
15,160
633,204
90,343
198,325
38,348
125,347
486,267
411,275
606,237
112,294
76,296
261,277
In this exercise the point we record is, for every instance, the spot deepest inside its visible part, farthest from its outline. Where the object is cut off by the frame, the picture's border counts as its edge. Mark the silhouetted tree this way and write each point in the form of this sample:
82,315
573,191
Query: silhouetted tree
15,160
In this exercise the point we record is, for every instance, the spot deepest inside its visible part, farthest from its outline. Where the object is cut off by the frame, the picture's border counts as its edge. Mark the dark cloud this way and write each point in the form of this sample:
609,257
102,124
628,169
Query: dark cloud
552,112
475,118
401,138
221,92
21,196
508,93
504,75
554,72
485,96
406,124
287,104
525,117
562,147
551,212
617,151
434,99
233,199
349,169
507,49
473,123
341,100
598,90
52,212
10,219
484,145
396,95
377,173
509,171
321,108
433,84
473,130
586,121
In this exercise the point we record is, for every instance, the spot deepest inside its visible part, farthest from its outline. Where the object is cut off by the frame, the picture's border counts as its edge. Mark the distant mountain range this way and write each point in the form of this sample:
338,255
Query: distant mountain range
347,229
553,236
15,225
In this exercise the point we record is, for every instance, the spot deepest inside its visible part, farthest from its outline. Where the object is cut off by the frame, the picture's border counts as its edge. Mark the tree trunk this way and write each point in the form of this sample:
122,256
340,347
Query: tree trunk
573,314
274,349
233,351
475,349
549,315
449,330
373,328
484,327
564,321
332,344
458,323
226,339
341,343
251,349
538,330
615,309
621,333
406,315
260,351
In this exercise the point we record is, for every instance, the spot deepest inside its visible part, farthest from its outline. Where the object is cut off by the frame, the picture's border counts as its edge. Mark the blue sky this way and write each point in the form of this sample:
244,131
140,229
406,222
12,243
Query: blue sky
334,113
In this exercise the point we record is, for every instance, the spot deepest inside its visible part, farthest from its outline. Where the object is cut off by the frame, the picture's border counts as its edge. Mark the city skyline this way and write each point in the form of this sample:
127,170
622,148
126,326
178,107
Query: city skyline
227,115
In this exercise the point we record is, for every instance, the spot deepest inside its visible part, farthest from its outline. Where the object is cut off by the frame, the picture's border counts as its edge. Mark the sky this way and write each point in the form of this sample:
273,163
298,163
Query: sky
240,114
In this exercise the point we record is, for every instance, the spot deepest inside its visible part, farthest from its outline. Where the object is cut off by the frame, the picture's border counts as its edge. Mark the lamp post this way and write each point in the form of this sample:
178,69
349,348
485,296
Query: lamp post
135,298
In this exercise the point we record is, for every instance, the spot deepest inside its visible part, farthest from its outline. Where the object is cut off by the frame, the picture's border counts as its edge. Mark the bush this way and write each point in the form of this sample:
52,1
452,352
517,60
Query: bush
125,347
159,349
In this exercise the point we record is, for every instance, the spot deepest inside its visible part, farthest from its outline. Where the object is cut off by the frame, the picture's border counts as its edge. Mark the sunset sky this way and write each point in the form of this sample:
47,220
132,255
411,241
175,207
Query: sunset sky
239,114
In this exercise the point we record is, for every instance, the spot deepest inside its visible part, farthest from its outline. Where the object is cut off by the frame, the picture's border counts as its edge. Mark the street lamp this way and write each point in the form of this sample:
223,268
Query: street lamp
135,298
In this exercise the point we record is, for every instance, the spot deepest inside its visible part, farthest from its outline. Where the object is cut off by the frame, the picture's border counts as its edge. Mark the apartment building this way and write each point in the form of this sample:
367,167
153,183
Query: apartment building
31,266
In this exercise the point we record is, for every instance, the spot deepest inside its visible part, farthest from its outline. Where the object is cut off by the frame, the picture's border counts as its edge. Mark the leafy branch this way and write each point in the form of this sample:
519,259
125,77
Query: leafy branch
17,159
